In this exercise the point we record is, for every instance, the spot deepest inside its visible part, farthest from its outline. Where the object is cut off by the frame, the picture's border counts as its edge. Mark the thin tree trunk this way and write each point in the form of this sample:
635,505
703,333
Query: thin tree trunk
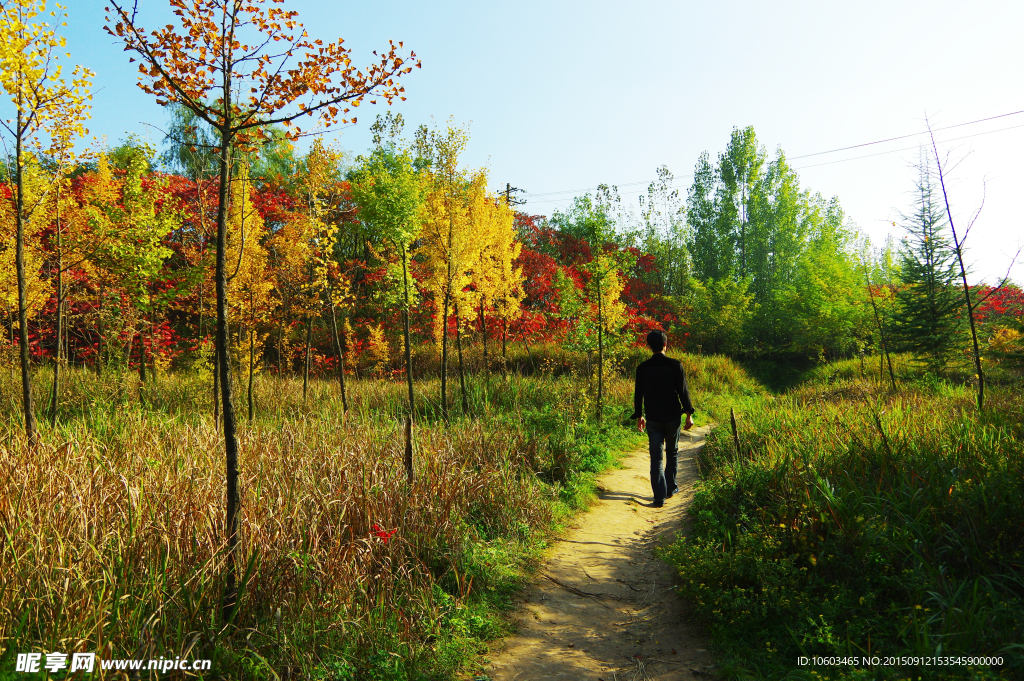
408,369
31,427
407,459
252,367
462,368
216,386
444,358
600,355
483,330
224,370
963,276
408,342
99,328
152,337
60,317
881,333
305,367
529,354
341,362
280,348
142,354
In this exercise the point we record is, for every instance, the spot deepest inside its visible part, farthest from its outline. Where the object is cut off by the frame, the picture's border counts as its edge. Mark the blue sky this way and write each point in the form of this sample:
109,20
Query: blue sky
562,96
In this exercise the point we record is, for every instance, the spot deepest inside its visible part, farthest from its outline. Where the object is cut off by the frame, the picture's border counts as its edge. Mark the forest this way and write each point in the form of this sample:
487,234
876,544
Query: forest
313,413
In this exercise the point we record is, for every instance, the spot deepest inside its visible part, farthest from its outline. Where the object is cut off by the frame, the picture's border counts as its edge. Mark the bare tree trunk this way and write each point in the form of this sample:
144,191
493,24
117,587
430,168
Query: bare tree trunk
462,368
408,342
305,367
142,355
99,327
881,333
407,459
600,355
341,362
252,367
224,371
483,330
444,358
31,427
153,346
60,317
963,276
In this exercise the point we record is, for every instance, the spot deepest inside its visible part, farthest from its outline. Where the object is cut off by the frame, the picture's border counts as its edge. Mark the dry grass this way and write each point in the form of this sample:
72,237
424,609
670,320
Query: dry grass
113,528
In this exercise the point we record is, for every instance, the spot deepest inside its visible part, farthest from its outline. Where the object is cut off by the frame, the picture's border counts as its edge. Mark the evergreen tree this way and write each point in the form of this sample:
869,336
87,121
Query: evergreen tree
927,317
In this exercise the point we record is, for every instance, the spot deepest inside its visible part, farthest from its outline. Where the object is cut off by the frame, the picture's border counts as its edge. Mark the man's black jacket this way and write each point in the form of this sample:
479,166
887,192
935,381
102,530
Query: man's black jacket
661,386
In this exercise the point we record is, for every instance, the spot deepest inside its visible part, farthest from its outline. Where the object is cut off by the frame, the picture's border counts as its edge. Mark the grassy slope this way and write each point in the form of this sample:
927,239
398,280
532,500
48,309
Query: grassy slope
856,521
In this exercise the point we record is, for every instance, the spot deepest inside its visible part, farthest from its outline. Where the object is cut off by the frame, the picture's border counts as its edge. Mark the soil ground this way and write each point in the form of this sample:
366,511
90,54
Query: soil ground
603,607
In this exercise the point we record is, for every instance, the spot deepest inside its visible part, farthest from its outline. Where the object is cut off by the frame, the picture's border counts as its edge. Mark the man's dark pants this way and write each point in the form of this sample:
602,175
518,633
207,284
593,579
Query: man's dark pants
664,433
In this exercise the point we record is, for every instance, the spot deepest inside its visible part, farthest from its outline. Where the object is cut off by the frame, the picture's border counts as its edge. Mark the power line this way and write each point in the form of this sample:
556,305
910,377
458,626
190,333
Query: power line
893,151
901,137
535,197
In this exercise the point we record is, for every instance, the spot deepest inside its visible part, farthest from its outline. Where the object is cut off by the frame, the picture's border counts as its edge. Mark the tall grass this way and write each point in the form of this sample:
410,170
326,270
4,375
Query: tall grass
113,528
855,521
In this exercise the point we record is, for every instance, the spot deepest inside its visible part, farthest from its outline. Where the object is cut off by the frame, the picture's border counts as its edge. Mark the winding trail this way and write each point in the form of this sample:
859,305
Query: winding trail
603,608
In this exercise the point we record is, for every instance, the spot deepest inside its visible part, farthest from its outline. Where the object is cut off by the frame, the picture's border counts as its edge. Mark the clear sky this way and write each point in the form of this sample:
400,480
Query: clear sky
563,96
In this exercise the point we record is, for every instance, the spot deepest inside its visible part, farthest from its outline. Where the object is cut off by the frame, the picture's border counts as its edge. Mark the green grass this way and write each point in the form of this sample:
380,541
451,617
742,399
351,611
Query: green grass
856,521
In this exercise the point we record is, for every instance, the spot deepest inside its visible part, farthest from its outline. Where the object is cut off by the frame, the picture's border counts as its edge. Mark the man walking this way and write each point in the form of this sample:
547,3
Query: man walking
662,393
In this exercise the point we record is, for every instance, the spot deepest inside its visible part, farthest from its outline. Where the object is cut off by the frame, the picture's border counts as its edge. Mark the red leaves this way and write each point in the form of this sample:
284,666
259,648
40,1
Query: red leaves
383,535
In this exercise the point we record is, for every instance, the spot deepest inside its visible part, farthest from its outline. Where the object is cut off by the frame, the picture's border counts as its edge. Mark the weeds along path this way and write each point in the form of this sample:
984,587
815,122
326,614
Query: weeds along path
603,606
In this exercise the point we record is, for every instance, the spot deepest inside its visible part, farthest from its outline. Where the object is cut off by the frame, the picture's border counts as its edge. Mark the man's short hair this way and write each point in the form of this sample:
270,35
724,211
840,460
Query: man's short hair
656,340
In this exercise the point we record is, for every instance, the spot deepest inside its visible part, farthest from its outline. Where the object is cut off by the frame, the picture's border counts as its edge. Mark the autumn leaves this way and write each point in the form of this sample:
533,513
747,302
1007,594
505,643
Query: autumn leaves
468,247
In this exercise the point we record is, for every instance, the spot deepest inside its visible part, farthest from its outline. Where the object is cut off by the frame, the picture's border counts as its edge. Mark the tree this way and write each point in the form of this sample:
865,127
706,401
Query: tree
249,282
389,193
48,113
71,244
593,221
958,248
712,251
313,274
133,214
605,288
739,168
498,280
666,233
822,309
928,309
37,289
447,244
206,65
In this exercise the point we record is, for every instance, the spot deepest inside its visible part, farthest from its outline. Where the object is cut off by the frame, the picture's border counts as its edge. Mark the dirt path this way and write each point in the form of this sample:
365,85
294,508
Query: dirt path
603,607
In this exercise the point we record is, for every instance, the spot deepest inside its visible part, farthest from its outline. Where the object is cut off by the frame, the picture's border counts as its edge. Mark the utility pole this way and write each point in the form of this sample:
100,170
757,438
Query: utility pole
510,200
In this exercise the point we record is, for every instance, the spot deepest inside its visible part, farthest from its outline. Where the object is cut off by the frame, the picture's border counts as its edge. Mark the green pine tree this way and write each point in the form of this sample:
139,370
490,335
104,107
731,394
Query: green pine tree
927,320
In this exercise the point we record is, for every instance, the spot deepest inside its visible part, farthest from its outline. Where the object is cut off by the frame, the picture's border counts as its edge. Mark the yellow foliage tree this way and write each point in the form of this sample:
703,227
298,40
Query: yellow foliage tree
449,246
497,282
250,286
605,288
37,289
48,113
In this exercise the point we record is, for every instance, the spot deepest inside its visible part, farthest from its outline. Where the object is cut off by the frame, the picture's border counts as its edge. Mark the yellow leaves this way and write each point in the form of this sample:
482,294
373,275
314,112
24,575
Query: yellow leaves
378,350
606,286
51,111
1006,340
249,282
